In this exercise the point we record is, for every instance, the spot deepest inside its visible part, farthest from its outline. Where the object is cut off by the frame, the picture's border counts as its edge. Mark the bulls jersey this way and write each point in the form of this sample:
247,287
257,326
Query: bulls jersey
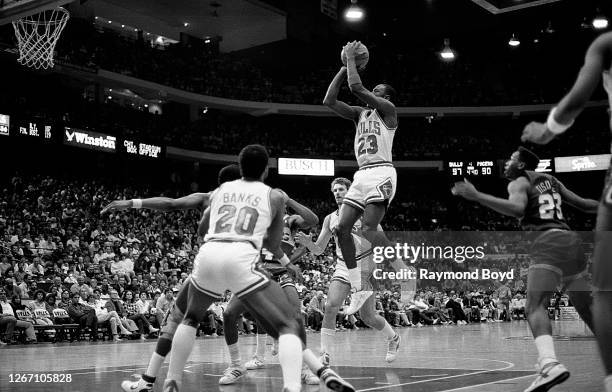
543,210
362,246
373,139
240,211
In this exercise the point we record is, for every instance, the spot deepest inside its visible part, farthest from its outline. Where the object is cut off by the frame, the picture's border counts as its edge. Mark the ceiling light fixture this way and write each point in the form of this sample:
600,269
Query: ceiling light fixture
514,42
447,53
354,13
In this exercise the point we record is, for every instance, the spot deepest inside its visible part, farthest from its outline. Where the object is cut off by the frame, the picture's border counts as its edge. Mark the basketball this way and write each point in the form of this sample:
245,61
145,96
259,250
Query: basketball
361,58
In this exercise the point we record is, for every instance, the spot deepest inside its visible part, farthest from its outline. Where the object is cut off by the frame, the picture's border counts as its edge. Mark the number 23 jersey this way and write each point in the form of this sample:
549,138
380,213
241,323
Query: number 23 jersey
544,210
373,139
240,211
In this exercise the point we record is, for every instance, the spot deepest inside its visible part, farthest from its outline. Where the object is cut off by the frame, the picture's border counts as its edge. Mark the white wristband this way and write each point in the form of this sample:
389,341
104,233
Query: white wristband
553,126
136,203
284,260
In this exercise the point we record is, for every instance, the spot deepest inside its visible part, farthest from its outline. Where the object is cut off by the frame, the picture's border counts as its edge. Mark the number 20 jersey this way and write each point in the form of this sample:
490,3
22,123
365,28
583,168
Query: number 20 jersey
544,204
240,211
373,139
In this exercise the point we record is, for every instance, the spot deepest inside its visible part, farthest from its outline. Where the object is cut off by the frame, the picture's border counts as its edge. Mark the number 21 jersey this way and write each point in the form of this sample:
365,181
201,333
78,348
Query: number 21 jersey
373,139
543,210
240,211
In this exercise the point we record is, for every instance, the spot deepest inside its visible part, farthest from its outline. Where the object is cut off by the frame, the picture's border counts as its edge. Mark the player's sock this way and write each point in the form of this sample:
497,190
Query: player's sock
546,349
608,383
311,361
234,353
388,331
260,350
184,340
155,364
290,358
327,336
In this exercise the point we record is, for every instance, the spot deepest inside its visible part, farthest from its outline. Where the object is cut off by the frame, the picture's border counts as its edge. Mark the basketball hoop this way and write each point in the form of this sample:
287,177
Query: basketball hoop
37,35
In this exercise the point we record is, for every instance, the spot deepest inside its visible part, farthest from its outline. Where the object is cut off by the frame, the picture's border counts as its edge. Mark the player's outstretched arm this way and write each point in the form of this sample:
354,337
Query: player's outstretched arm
275,231
304,217
324,236
331,99
190,202
513,206
562,117
354,80
586,205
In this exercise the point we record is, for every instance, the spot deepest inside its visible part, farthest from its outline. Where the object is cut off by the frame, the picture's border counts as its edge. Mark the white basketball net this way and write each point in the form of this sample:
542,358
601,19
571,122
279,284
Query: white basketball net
37,35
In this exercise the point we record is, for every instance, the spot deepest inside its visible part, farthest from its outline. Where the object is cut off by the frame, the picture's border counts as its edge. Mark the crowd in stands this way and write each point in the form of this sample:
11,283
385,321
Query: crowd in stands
513,77
62,263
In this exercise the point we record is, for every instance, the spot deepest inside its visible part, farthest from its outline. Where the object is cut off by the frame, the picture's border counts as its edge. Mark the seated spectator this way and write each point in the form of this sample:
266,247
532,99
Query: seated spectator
116,305
163,305
40,304
143,304
80,285
131,308
103,315
83,315
517,307
418,309
9,321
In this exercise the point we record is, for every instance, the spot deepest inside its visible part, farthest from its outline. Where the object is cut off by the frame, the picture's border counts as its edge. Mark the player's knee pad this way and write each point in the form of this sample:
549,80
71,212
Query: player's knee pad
164,344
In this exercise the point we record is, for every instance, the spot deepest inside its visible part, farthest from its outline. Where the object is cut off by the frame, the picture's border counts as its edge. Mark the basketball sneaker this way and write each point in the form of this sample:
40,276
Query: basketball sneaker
170,386
137,386
308,376
549,375
232,374
334,382
254,363
393,348
358,298
324,358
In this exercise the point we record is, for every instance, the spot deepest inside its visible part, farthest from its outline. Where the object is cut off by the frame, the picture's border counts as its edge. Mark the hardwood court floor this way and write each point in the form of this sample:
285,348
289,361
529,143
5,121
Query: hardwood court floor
476,358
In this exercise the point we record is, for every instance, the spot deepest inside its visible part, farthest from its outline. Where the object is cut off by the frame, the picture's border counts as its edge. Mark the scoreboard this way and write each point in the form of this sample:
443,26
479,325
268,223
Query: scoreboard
472,168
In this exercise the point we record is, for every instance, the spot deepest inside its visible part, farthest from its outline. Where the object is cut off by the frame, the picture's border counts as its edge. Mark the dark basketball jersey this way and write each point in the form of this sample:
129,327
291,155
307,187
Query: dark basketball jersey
543,210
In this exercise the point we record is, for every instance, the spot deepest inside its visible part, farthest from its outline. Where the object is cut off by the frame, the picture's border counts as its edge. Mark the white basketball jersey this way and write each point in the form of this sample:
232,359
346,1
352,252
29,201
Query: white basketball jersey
362,246
240,211
607,82
373,139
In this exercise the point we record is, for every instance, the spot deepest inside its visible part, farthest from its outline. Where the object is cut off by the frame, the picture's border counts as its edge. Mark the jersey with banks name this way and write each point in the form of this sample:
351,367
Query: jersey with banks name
373,139
543,210
240,211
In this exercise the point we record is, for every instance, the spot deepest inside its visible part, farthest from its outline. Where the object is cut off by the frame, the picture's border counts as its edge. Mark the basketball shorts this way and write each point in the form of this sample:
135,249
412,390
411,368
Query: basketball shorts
559,251
372,185
224,265
341,273
602,257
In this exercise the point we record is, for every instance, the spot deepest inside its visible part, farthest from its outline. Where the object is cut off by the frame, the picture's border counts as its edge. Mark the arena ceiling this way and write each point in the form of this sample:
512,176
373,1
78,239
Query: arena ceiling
241,23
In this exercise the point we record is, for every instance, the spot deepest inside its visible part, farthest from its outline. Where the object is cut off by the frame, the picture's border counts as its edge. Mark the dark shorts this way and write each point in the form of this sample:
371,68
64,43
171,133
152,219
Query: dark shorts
278,273
559,251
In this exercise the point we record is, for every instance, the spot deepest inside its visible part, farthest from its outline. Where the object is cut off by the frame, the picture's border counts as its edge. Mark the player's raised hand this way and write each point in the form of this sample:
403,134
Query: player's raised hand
350,49
465,189
537,133
116,205
302,238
